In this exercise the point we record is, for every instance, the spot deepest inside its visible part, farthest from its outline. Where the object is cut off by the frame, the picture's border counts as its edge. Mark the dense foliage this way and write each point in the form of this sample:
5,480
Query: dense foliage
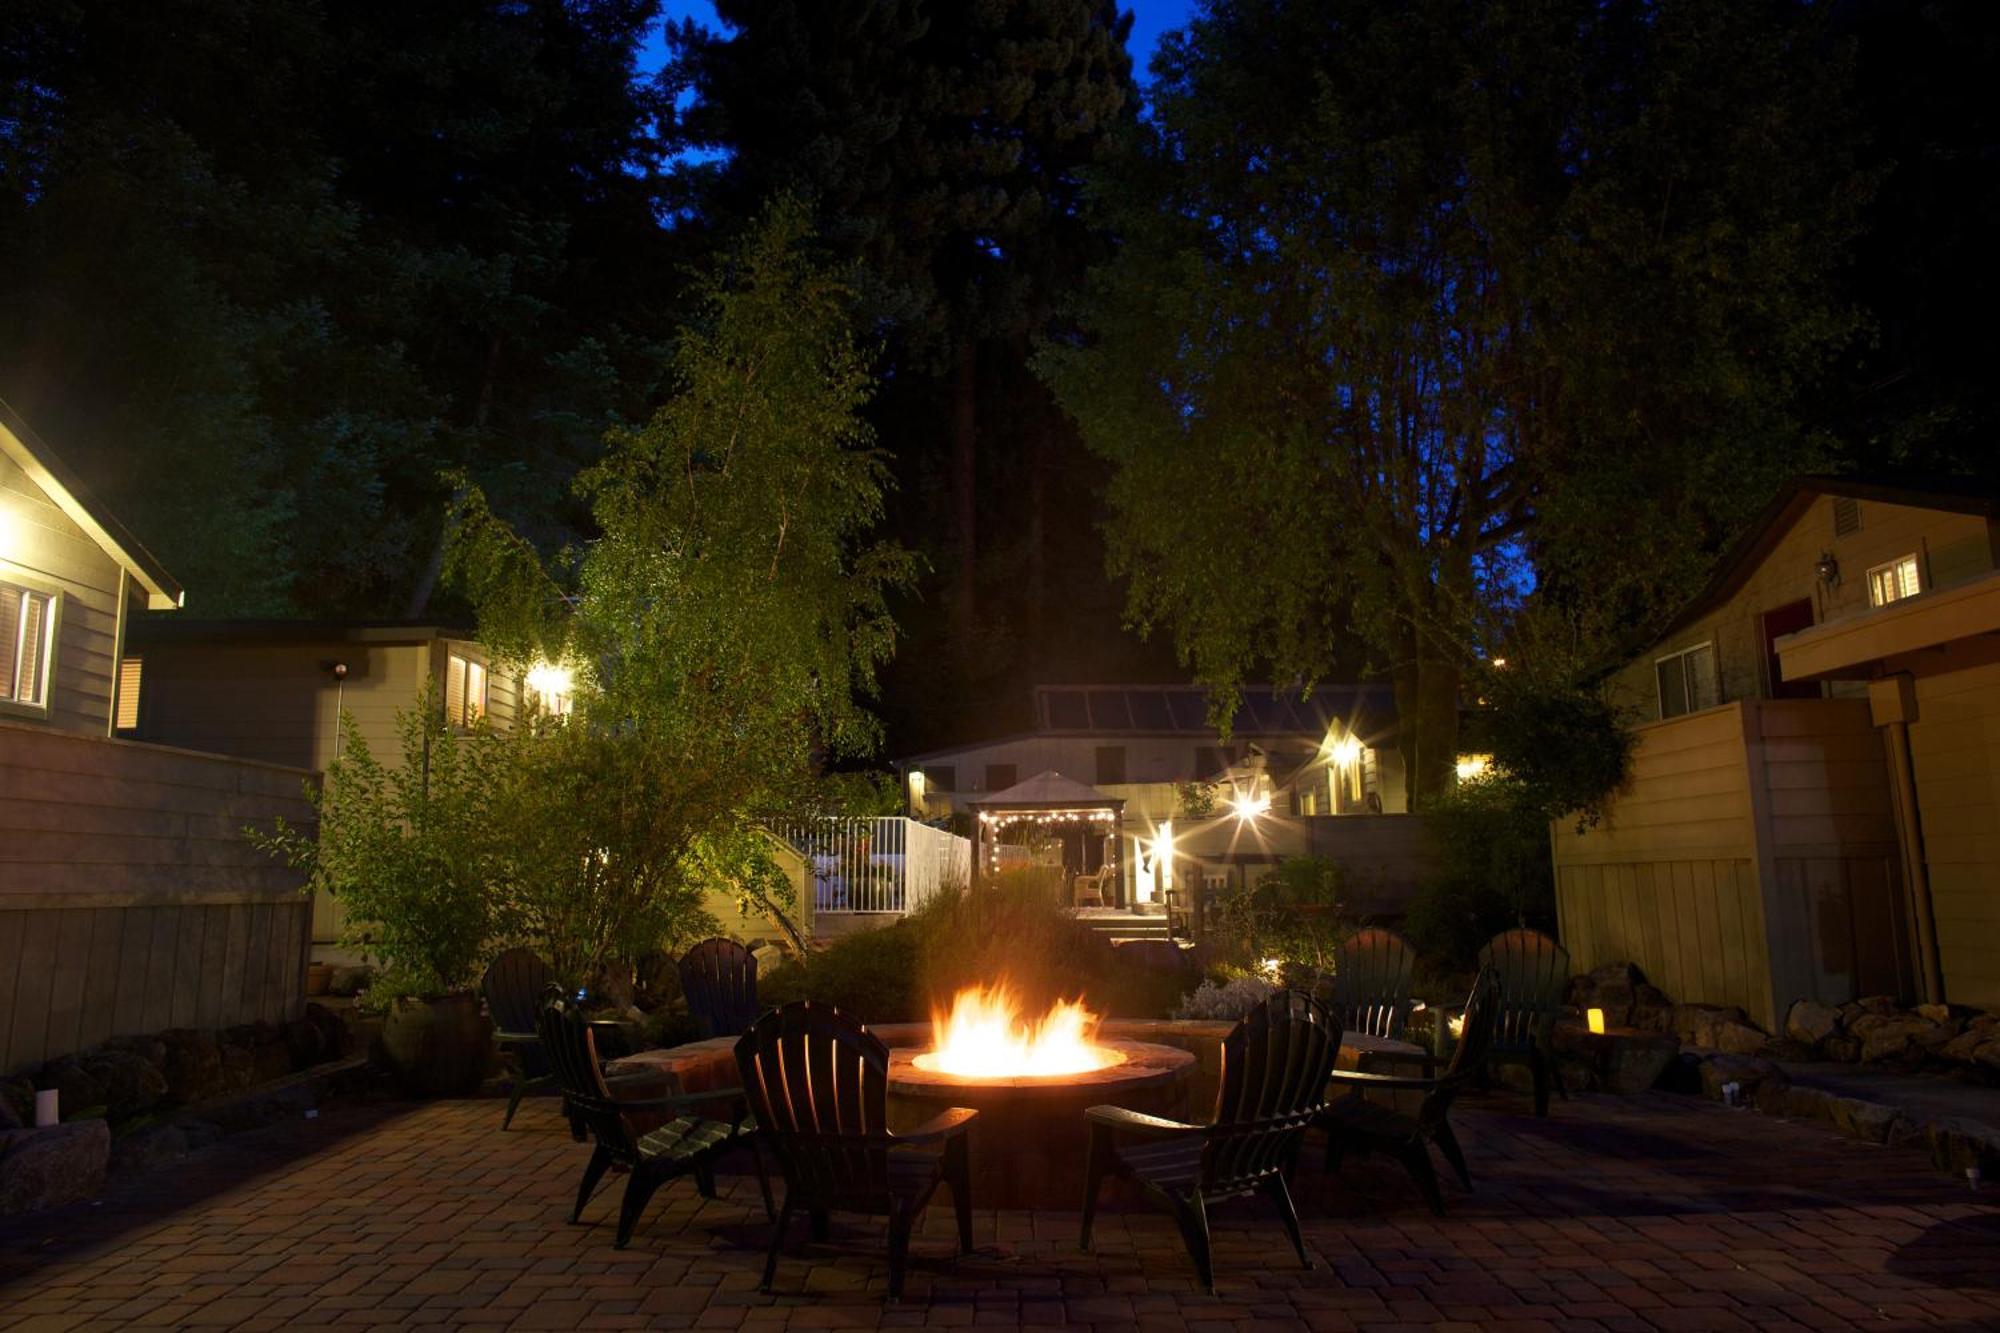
416,851
272,265
1414,300
723,629
1295,913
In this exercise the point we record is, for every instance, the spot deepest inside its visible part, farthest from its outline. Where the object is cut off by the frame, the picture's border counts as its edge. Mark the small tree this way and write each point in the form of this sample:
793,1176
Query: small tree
724,625
1296,913
414,852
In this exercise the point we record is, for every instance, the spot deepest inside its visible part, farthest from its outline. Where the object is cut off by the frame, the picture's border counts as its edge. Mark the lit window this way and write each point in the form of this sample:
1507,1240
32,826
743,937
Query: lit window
1687,681
27,645
464,691
1894,581
130,672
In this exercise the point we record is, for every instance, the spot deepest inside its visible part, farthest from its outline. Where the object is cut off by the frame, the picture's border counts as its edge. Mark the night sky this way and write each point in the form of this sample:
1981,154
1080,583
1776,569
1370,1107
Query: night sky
1153,18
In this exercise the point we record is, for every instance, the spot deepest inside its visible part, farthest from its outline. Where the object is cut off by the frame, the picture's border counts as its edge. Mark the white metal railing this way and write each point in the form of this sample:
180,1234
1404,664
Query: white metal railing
877,865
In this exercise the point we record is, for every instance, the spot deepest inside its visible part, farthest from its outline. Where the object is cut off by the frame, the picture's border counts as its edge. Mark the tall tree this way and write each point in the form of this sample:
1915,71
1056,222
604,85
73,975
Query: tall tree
942,145
273,264
1418,304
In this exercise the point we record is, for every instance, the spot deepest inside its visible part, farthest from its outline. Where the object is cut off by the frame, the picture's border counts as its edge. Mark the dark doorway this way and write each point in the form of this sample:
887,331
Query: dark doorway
1790,617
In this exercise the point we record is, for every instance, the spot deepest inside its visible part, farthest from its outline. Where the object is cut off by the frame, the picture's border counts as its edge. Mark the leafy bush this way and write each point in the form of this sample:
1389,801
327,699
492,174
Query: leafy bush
1226,1001
1493,872
414,852
1296,913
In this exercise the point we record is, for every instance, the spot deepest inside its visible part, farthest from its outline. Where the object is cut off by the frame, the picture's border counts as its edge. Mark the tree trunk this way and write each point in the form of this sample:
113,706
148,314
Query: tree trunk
965,494
1427,727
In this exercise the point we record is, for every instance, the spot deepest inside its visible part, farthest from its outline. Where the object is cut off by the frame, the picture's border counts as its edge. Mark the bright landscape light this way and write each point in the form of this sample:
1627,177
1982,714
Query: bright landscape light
1248,805
1344,753
549,680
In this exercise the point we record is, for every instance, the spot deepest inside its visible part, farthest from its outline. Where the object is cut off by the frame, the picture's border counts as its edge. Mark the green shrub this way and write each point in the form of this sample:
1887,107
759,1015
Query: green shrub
1493,872
1296,914
1012,929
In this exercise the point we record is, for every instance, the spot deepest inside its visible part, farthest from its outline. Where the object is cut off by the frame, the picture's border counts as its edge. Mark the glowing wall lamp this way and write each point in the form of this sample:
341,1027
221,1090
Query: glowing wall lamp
1249,805
552,686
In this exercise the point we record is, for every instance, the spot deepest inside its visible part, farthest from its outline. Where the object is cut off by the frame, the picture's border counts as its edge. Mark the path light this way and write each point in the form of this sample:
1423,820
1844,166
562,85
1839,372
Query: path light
1595,1017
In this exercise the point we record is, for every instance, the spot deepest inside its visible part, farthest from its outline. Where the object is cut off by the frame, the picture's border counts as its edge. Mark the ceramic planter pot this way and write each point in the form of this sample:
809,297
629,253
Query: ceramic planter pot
436,1048
319,978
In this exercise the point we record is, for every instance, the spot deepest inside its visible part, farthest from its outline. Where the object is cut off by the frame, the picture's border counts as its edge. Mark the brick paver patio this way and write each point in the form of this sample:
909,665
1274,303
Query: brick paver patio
1649,1213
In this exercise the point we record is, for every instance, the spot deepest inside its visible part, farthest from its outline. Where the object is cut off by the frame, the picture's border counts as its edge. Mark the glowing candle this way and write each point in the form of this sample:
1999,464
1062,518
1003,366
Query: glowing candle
1595,1017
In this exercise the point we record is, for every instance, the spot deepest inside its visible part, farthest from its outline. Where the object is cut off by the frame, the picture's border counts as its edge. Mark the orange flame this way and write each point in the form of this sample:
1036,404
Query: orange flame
985,1036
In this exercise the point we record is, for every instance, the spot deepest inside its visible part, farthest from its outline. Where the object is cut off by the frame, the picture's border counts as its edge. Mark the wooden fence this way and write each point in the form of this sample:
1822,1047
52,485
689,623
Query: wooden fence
129,900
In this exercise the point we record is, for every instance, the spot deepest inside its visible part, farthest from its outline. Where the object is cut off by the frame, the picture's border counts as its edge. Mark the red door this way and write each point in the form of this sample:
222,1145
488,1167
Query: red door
1777,623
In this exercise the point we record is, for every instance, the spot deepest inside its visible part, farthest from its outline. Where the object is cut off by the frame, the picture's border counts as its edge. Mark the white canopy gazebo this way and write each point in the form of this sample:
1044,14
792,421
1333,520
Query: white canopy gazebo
1056,804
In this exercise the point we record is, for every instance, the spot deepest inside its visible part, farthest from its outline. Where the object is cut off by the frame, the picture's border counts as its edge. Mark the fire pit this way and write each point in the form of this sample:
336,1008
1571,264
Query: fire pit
1030,1082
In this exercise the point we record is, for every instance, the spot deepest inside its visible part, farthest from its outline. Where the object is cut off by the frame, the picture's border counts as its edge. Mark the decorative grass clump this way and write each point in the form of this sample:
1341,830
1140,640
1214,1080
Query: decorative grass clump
1011,929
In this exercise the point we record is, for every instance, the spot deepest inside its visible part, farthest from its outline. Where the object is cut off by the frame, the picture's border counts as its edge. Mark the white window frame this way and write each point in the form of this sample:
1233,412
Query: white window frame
1660,698
466,718
1893,569
51,636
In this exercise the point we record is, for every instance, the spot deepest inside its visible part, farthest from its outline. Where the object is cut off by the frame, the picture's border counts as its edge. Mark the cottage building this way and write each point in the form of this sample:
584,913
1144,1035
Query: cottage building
1816,786
1316,774
129,900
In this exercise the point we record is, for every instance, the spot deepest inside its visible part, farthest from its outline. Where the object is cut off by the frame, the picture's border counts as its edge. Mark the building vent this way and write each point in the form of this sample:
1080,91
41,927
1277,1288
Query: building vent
1846,516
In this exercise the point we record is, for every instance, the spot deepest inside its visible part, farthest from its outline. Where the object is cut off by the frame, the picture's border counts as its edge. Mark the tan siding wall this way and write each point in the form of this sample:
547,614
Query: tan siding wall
272,701
129,901
50,548
1832,908
1751,860
1955,749
1950,547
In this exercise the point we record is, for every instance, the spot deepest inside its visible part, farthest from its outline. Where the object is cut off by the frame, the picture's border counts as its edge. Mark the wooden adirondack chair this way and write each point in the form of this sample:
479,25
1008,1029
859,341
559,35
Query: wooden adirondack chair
818,1083
719,978
1275,1065
688,1143
514,985
1355,1124
1531,971
1371,982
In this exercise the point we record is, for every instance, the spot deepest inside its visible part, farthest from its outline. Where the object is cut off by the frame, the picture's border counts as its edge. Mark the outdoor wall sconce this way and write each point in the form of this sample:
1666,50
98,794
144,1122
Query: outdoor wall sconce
1828,569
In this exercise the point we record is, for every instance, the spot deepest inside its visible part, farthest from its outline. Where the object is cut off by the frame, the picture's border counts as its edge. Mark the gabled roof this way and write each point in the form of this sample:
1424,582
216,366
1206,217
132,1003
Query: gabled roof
33,456
1955,495
1162,710
175,629
1050,790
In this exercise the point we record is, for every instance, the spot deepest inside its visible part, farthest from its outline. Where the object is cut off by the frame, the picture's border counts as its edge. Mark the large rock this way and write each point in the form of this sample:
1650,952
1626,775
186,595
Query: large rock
1871,1122
239,1068
1701,1024
133,1085
1964,1048
335,1035
1939,1014
9,1117
1811,1022
144,1149
1895,1037
193,1065
1843,1048
1612,988
1651,1009
77,1089
1988,1054
1740,1038
349,980
46,1168
1746,1071
1623,1060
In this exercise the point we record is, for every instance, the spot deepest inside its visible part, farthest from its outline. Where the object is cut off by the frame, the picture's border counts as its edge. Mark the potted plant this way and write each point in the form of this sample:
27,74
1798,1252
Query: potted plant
414,853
